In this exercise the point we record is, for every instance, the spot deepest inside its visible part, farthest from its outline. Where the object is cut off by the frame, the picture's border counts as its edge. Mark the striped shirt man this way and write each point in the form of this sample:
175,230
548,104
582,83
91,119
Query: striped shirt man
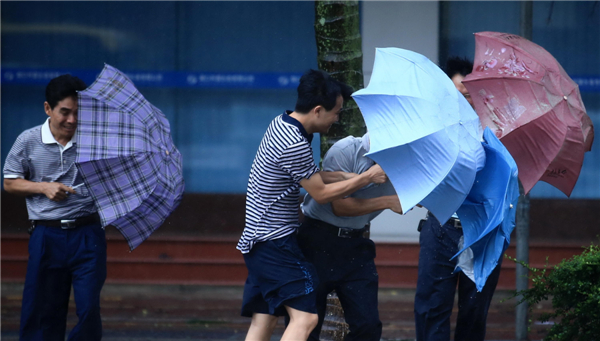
37,156
284,158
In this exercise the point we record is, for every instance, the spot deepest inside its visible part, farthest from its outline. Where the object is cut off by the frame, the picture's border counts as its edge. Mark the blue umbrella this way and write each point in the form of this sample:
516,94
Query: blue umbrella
488,213
423,132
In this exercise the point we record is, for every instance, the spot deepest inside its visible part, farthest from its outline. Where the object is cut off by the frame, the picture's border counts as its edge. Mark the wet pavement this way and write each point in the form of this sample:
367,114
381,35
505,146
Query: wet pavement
186,312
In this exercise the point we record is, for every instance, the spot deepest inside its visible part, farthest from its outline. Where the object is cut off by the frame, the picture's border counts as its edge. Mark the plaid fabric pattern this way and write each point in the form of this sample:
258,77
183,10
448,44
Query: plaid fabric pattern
126,157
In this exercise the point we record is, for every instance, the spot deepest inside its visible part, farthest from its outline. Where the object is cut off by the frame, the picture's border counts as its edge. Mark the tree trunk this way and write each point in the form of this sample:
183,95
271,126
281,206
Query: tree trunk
339,52
339,49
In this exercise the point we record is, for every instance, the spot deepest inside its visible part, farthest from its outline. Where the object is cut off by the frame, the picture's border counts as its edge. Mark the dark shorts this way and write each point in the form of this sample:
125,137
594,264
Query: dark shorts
278,276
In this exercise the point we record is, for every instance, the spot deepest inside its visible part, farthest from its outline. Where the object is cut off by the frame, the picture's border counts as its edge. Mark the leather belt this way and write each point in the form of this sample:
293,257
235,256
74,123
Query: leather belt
342,232
67,224
455,222
452,221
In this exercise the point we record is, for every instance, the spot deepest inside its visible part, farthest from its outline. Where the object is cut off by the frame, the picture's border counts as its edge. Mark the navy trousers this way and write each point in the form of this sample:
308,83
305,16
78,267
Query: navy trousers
436,288
347,266
58,259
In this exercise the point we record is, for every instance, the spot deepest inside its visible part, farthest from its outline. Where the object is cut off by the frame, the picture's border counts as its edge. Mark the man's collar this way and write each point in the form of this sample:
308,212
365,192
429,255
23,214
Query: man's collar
289,119
48,138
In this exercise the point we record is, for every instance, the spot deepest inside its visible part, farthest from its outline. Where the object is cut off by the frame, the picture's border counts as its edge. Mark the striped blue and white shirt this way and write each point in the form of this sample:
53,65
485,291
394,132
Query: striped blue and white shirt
36,156
284,158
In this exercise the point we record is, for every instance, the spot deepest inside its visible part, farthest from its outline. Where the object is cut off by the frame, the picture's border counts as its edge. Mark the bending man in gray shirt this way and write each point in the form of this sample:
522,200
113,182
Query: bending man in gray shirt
334,237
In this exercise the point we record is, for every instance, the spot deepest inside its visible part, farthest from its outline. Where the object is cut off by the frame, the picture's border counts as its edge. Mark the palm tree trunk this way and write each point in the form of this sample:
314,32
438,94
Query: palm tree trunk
339,48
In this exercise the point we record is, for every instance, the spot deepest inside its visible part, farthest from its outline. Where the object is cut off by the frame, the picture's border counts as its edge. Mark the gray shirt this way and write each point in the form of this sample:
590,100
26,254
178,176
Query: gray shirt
347,155
36,156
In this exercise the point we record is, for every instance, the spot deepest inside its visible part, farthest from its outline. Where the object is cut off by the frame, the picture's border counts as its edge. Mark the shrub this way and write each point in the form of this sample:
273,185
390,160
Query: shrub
574,286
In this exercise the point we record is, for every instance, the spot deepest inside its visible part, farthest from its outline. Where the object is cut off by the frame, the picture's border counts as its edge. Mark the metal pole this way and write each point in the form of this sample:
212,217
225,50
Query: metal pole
522,282
522,223
526,26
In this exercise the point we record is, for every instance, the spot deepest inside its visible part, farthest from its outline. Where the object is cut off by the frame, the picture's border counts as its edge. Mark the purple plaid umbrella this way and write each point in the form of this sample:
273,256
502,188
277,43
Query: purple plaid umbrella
126,157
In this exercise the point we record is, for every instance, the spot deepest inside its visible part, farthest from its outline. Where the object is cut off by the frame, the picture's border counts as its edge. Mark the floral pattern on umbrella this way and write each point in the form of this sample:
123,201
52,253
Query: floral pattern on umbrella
528,100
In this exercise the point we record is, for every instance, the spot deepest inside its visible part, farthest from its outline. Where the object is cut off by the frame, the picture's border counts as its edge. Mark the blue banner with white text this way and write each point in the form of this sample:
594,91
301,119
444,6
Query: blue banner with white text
164,79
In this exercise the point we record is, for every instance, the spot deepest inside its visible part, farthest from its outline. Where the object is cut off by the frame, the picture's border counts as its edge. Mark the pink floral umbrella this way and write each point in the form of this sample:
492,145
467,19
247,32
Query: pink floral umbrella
527,99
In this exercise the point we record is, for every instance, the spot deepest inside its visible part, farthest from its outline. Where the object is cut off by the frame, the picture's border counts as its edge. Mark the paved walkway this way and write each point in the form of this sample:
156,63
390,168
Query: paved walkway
170,312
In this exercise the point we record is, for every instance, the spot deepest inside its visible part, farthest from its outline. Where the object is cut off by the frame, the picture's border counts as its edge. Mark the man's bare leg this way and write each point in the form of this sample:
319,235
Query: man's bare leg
261,327
300,326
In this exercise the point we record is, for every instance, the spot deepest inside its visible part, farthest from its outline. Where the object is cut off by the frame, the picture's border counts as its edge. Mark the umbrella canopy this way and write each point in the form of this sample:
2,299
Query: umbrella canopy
423,132
126,157
523,94
488,213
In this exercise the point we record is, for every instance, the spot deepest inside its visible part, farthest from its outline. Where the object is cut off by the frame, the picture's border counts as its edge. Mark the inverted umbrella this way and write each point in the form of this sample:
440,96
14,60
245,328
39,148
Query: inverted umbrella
126,157
523,94
488,212
423,132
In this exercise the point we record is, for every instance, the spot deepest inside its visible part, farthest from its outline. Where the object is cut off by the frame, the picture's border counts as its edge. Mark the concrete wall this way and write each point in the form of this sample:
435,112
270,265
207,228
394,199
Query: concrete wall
413,26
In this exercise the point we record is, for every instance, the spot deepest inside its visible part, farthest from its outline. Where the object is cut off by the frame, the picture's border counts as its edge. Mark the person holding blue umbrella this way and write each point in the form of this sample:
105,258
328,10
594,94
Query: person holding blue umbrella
437,279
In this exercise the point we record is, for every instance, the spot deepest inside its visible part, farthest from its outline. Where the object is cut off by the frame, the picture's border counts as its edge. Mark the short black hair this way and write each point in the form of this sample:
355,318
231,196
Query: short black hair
62,87
455,65
319,88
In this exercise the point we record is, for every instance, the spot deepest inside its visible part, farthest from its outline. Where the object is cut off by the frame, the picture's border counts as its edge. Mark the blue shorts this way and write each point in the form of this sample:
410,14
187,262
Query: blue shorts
278,276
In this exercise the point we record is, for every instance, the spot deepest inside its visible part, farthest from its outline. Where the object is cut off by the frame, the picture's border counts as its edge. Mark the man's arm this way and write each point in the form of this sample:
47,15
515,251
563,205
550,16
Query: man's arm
331,177
55,191
354,207
324,193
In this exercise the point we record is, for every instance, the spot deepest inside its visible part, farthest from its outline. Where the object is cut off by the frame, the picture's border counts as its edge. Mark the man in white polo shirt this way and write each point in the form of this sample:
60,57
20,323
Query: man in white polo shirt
280,280
67,245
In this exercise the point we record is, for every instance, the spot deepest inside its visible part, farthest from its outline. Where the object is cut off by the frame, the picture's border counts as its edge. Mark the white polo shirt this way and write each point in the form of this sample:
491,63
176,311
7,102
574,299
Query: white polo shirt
36,156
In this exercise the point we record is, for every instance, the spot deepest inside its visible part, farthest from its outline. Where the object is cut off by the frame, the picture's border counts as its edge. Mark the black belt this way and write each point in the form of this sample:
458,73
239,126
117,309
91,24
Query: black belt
67,224
342,232
452,221
455,222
